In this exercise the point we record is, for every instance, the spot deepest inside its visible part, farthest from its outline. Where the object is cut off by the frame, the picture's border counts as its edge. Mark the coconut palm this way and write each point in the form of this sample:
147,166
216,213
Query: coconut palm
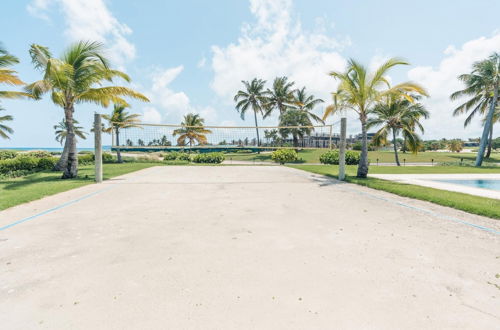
280,97
301,125
61,131
398,115
456,145
482,86
192,130
359,90
254,98
75,78
4,129
118,120
305,102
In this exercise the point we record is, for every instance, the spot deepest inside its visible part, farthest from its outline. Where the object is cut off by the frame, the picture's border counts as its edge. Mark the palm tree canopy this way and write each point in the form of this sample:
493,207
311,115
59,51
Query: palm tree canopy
9,76
280,97
61,130
192,130
297,118
253,97
306,103
77,77
4,129
479,86
359,90
120,118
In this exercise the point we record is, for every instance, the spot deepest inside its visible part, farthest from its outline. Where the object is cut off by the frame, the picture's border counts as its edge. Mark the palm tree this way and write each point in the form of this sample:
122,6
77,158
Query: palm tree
455,145
120,119
62,131
359,90
253,97
192,130
281,97
9,77
75,78
398,115
305,102
482,85
4,129
301,125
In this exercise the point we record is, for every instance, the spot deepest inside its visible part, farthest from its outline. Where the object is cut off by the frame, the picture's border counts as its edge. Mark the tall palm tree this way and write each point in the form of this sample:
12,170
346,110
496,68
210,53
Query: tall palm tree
4,129
299,122
75,78
9,77
253,97
61,131
359,90
306,103
280,97
120,119
192,130
398,115
482,85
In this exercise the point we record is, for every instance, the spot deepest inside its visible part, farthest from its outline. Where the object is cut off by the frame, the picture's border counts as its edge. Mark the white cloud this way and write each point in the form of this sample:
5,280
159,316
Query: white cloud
442,81
90,20
151,115
276,45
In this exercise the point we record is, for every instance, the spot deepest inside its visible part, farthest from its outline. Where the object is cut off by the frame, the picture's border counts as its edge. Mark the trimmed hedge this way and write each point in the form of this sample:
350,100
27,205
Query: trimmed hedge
23,165
37,154
332,157
283,156
87,159
7,154
209,158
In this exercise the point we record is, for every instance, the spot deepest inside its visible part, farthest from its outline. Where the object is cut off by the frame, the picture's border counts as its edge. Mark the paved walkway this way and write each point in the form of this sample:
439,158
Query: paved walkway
242,247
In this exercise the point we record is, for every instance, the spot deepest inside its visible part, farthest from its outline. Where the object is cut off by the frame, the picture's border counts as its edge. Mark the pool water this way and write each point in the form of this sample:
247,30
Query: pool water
477,183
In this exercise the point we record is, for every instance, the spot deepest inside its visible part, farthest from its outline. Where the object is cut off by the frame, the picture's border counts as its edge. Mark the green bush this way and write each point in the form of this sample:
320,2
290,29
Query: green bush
85,152
171,155
183,156
209,158
47,163
7,154
86,159
283,156
332,157
38,154
107,157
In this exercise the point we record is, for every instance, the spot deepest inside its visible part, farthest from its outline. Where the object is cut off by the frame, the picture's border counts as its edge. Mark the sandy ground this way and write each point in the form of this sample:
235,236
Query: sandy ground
242,247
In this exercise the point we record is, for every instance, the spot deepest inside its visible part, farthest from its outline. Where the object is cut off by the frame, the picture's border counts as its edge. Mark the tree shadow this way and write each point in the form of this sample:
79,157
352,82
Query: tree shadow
17,183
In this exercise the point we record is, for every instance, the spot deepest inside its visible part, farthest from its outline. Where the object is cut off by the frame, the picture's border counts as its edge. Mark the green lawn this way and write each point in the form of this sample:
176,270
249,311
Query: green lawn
473,204
35,186
312,156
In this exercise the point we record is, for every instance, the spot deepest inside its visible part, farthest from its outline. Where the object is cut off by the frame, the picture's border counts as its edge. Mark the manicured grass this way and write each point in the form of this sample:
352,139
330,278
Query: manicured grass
473,204
312,156
35,186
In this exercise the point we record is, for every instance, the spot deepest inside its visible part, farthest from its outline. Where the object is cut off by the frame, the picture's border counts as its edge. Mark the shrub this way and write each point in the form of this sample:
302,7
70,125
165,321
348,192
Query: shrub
107,157
171,155
183,156
38,154
283,156
209,158
332,157
7,154
18,164
86,159
47,163
85,152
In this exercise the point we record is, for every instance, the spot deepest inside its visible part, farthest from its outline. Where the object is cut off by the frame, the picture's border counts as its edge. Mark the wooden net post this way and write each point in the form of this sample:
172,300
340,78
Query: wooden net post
98,147
342,146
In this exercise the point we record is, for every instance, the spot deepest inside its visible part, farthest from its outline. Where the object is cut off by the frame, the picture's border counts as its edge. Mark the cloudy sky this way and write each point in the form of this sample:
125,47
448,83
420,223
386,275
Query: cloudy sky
190,56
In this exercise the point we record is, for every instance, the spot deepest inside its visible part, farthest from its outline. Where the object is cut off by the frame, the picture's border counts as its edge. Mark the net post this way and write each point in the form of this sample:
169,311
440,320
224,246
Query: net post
343,131
98,147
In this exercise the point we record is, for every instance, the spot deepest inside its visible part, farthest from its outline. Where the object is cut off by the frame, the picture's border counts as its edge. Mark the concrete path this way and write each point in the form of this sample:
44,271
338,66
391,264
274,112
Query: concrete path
242,247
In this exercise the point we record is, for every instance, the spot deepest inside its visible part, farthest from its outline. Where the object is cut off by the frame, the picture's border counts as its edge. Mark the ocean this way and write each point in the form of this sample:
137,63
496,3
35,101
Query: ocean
105,148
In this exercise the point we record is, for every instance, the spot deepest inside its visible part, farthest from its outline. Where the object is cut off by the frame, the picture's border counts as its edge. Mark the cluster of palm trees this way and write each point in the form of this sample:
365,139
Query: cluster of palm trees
294,106
81,75
481,85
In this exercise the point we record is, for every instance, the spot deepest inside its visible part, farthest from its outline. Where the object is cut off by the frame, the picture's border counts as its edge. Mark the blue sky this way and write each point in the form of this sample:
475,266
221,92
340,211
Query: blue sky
190,56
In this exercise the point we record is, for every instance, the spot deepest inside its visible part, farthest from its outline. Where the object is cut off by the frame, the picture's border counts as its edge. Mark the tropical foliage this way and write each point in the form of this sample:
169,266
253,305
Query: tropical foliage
192,131
481,85
280,97
77,77
254,98
120,119
61,131
4,129
397,115
301,125
360,90
456,145
306,102
283,156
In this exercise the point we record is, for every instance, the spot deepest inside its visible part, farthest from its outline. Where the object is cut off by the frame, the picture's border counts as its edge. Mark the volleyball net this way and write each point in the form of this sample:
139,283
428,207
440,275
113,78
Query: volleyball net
156,137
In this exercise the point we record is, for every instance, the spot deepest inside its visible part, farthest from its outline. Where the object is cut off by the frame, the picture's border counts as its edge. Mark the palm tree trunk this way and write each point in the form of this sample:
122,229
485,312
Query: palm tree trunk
71,169
395,147
295,141
363,161
490,142
486,129
118,152
63,160
257,130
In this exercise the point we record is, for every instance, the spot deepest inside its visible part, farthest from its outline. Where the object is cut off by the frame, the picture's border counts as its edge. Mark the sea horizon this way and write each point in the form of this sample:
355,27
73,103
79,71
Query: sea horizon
51,149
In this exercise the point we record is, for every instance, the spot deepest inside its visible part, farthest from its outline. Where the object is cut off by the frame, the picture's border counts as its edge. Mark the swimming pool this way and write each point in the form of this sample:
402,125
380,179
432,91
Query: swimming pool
491,184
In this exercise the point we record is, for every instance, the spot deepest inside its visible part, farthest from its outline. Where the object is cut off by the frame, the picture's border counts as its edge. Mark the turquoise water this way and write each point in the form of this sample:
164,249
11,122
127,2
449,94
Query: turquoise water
107,148
477,183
